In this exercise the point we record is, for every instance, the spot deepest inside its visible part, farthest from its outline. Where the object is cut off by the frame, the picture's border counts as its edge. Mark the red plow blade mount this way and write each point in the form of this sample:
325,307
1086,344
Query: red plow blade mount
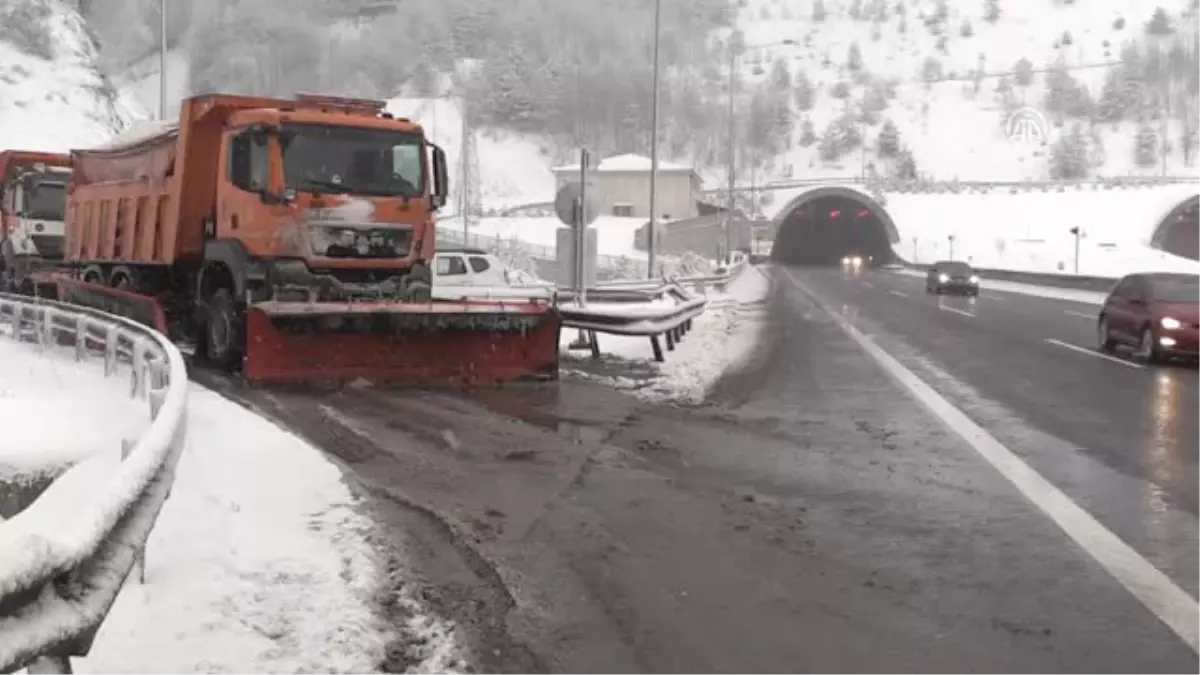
437,343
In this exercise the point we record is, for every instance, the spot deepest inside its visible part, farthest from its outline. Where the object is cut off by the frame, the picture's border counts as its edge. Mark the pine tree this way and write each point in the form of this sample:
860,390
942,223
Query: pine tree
781,76
1069,156
1159,23
1023,72
855,10
829,147
906,165
888,143
991,11
805,93
1145,151
841,89
819,13
967,30
808,135
854,60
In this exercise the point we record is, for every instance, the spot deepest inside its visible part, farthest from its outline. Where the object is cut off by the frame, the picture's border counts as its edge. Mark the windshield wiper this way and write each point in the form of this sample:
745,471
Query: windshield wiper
338,188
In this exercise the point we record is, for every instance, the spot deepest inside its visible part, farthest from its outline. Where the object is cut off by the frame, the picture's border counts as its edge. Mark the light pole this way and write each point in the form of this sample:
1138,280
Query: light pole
162,62
1078,232
733,63
950,238
652,230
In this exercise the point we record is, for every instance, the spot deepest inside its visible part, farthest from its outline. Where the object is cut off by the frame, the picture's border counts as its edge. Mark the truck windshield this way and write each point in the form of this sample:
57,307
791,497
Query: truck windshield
352,160
45,201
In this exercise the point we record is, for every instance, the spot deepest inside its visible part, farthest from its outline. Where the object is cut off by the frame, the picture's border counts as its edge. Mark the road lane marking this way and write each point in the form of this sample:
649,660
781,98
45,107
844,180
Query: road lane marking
1081,315
1092,352
868,284
956,310
895,292
1170,603
992,297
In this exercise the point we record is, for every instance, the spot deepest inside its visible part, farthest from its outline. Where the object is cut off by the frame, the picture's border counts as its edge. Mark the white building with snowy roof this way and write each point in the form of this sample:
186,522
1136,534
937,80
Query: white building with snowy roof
623,187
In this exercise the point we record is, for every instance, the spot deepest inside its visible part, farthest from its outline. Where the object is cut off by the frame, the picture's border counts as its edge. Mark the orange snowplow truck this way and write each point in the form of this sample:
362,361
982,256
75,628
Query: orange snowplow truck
33,199
288,239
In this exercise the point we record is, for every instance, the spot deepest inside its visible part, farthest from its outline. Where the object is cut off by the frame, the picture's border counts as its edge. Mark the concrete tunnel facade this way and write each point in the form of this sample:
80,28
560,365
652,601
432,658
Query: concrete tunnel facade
1125,228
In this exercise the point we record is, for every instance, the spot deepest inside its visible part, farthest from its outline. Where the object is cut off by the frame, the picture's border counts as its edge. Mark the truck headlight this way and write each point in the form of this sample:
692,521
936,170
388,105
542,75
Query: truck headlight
974,278
1170,323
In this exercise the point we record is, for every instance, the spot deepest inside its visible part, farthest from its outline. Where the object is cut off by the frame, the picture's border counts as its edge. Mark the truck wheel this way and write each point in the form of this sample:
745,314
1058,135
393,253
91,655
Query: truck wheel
223,331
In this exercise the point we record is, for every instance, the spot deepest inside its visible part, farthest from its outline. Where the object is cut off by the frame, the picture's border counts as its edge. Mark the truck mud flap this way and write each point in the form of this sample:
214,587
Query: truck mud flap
426,344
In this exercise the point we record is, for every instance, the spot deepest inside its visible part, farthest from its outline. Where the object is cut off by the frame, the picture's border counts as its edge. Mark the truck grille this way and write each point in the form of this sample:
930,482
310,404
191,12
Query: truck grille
359,241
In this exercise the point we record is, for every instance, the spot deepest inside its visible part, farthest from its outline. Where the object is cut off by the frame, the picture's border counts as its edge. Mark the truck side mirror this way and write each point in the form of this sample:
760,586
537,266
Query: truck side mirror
441,179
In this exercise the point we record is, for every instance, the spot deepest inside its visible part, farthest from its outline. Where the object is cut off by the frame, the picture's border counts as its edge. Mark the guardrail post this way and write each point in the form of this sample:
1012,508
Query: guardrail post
111,339
46,328
17,310
670,340
594,343
81,324
658,352
139,371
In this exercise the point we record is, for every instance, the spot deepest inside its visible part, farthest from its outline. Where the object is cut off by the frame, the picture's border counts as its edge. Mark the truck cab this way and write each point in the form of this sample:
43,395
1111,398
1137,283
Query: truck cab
32,208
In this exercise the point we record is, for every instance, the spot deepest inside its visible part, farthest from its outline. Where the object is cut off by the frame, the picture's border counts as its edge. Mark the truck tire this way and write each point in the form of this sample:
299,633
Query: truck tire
224,331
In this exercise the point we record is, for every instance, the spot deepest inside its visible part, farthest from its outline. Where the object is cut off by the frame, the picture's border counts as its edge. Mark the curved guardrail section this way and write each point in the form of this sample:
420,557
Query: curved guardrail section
56,587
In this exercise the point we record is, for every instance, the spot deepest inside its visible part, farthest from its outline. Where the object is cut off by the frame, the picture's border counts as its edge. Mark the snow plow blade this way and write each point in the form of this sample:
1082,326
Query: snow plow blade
461,343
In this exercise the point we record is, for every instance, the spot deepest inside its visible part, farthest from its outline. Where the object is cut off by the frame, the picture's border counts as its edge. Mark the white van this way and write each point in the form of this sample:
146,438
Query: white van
475,274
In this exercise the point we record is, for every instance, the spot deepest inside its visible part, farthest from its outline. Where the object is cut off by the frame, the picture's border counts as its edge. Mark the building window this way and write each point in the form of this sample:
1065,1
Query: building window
623,210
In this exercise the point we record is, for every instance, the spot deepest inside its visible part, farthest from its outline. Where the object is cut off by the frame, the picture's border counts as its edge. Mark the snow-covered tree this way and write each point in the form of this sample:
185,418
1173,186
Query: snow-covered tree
1159,23
854,59
1023,72
808,135
991,11
905,166
888,143
1145,146
1069,159
804,92
819,13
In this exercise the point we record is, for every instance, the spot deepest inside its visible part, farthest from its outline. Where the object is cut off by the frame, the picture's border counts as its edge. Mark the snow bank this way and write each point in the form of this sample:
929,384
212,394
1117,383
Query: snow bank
61,102
723,338
615,236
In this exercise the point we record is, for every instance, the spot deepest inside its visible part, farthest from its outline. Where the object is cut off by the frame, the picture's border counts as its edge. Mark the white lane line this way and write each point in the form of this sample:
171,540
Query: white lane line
956,311
1092,352
868,284
995,298
1071,312
1147,583
895,292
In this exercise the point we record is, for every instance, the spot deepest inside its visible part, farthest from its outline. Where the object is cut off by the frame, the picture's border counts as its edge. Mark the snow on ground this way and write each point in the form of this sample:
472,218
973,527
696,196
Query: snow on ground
260,560
55,412
953,130
722,338
61,102
513,170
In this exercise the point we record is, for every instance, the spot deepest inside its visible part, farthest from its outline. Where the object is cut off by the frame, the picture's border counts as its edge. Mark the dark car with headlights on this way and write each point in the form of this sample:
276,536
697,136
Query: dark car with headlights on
1155,313
951,276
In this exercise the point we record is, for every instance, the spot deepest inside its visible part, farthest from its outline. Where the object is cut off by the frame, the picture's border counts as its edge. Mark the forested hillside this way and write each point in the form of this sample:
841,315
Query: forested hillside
574,72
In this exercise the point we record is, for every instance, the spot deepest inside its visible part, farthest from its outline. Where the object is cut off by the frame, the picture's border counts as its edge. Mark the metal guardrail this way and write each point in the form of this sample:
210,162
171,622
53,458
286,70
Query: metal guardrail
56,590
625,308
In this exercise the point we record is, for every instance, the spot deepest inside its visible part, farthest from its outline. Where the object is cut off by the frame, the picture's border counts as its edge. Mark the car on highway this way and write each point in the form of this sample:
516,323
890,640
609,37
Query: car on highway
951,276
1155,313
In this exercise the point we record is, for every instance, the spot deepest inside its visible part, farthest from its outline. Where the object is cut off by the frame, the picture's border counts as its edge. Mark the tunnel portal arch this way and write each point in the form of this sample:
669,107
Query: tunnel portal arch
830,224
1178,232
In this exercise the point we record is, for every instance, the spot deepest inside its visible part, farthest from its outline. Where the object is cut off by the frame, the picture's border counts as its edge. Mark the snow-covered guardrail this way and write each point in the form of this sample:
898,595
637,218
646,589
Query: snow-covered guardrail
65,556
664,313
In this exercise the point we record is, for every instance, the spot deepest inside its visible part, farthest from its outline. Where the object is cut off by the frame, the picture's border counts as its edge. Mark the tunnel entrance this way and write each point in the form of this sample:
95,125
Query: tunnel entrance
826,225
1179,233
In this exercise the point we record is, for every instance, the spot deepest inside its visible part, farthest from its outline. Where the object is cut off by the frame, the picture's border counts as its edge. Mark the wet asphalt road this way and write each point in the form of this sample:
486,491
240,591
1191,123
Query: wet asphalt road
812,517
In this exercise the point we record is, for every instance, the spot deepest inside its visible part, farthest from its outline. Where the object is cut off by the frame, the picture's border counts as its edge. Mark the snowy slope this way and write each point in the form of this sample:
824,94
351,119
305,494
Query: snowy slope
140,82
513,170
952,130
58,102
